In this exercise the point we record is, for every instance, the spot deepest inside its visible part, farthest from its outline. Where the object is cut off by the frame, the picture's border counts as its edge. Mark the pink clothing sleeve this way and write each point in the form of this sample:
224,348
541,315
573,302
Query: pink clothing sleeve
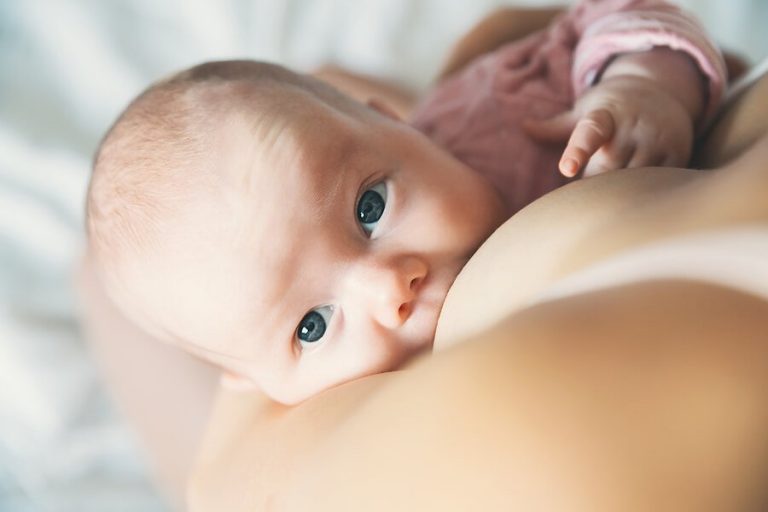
610,27
478,114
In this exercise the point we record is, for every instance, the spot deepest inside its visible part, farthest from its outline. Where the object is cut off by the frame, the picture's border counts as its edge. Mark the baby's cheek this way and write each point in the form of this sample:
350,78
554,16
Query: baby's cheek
442,219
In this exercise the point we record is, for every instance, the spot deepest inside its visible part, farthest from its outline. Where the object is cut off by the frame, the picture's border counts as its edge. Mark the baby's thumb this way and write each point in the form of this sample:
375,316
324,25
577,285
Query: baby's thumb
554,129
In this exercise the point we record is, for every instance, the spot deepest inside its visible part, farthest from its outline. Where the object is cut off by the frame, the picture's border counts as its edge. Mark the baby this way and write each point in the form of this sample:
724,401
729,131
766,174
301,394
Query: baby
298,239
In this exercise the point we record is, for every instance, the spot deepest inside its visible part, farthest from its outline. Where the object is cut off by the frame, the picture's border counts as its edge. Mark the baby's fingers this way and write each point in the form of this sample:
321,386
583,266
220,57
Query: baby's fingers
591,132
648,156
645,156
555,129
614,155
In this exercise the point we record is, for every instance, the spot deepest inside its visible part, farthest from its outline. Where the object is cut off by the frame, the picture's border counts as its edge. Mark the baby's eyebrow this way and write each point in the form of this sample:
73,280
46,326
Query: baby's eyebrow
335,168
344,150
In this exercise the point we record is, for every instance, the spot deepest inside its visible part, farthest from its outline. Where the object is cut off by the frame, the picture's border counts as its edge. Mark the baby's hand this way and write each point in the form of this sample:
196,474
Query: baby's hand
623,121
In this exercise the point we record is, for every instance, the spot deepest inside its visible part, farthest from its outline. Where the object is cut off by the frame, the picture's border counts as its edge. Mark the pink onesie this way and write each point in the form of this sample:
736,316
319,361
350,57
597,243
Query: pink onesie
476,114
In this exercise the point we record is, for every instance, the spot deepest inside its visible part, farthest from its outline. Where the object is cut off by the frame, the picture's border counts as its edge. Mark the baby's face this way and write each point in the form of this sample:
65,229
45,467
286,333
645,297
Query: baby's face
326,254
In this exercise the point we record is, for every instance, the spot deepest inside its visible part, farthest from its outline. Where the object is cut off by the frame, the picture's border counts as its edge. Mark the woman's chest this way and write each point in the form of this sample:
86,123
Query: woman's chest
534,248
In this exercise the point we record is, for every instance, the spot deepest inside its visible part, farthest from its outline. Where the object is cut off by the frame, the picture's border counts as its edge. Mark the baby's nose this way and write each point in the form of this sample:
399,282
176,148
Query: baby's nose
389,288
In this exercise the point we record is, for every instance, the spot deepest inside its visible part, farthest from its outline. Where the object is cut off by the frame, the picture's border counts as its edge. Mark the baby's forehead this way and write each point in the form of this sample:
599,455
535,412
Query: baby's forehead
297,150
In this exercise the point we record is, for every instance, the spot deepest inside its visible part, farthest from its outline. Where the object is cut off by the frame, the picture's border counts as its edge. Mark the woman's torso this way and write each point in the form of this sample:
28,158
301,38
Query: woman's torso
566,226
254,449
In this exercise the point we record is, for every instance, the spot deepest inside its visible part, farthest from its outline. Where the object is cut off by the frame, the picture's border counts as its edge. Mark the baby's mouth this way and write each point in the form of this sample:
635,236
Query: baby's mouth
450,278
438,292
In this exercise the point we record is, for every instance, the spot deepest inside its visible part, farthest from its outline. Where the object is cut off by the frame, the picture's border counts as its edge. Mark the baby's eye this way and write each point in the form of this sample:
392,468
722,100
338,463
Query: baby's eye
371,206
312,326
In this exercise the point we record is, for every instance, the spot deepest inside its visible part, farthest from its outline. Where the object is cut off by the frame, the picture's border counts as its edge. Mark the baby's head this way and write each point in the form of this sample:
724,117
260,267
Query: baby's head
265,222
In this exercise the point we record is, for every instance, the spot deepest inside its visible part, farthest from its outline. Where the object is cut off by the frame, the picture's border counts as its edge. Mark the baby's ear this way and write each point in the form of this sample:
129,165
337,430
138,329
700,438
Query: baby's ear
383,108
236,382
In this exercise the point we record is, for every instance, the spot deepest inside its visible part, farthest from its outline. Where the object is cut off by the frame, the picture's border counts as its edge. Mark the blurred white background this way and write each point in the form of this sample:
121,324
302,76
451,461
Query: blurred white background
66,70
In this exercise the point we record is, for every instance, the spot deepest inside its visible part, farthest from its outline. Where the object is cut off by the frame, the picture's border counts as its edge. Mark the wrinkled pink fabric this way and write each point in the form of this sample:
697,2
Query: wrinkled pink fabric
476,114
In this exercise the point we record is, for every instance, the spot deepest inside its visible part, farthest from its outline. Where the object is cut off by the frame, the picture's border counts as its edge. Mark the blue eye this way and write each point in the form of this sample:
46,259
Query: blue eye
371,206
313,325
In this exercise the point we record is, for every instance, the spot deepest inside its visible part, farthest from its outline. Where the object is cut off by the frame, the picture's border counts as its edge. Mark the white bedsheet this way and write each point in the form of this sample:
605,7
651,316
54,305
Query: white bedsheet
66,70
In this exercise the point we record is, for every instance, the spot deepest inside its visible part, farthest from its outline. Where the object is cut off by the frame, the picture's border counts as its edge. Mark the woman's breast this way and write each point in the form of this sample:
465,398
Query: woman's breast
532,249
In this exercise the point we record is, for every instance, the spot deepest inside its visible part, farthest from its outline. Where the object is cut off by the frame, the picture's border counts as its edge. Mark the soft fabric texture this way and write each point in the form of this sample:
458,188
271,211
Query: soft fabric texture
476,115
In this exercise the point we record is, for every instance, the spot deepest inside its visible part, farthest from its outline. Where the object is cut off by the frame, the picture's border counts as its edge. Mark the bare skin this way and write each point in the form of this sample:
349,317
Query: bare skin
526,418
138,370
545,409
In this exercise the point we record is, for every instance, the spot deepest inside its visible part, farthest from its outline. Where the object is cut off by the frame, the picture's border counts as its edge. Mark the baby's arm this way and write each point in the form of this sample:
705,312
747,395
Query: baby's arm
645,76
165,395
642,112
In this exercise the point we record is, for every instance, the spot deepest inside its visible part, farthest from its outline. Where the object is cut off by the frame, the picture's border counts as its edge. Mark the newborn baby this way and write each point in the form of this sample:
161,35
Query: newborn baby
298,239
270,225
